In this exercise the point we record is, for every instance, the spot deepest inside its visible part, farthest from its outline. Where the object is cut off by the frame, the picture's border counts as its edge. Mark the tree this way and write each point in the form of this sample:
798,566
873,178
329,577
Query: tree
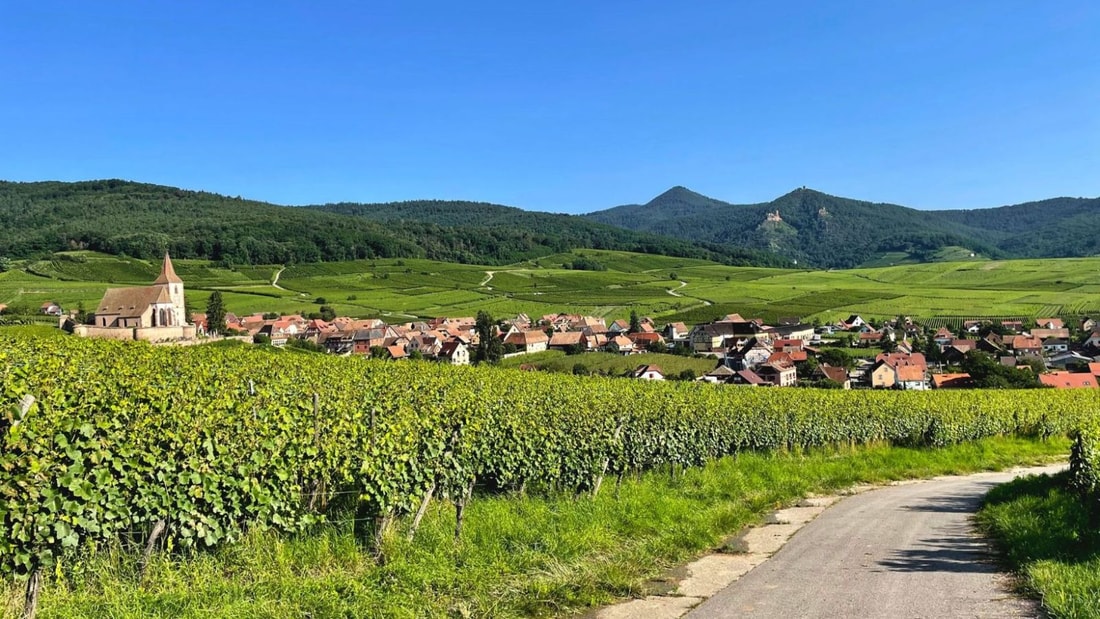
5,264
635,323
81,317
215,313
489,347
687,374
327,313
836,358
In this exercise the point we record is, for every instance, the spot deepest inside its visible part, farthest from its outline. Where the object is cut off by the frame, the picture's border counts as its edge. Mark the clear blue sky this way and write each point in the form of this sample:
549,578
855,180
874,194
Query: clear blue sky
560,106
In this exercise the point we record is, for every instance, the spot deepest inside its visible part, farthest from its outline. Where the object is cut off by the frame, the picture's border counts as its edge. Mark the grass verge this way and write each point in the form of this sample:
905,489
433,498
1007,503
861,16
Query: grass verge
519,556
1044,531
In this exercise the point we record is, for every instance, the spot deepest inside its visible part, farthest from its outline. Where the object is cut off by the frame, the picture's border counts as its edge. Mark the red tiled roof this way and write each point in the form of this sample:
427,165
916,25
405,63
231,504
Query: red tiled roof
834,373
1068,380
910,373
566,338
526,338
952,381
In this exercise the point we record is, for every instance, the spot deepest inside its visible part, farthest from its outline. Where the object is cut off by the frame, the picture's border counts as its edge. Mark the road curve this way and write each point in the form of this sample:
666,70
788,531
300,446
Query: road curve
900,552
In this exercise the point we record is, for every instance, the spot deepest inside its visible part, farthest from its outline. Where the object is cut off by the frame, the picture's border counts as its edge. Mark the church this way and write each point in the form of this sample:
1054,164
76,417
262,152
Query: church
155,313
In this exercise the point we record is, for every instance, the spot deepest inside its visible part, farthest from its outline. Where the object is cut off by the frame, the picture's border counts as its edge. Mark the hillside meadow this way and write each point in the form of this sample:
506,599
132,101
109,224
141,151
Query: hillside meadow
666,288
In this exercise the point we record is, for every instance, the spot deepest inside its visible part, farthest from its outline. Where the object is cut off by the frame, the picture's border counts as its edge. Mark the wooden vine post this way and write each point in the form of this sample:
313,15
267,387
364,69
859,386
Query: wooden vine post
421,511
460,508
34,583
30,602
158,530
606,463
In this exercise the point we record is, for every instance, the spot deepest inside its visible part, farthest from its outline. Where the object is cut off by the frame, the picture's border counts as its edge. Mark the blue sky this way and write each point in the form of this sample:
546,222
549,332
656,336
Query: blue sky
565,106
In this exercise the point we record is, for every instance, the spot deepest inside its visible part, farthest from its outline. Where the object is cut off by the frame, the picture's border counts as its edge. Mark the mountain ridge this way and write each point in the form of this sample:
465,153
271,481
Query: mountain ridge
804,227
832,231
144,220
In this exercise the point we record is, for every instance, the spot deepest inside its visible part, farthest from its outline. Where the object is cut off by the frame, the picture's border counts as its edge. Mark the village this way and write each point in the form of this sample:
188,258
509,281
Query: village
746,351
898,354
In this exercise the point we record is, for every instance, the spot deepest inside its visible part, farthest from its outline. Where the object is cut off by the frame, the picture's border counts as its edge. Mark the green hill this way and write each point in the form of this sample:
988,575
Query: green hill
818,229
143,221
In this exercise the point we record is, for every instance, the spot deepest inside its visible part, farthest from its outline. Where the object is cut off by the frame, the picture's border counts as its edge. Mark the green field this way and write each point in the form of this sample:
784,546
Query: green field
611,364
664,287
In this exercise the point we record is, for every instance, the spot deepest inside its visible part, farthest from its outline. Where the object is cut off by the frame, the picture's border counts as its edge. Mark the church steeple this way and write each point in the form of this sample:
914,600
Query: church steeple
167,273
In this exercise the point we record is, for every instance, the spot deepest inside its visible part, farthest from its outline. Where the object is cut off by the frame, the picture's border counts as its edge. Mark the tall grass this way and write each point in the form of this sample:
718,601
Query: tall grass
519,556
1046,534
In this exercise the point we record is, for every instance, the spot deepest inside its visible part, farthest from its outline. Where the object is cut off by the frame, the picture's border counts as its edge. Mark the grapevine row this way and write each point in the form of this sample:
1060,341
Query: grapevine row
213,441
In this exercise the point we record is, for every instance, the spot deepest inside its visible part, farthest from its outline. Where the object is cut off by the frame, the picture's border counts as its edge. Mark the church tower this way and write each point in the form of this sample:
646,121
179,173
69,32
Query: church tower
174,284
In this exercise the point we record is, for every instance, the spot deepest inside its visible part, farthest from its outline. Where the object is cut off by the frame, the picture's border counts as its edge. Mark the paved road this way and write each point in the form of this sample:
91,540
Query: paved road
900,552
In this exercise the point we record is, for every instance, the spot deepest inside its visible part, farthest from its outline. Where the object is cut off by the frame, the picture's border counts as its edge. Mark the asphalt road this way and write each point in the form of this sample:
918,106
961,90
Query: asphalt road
900,552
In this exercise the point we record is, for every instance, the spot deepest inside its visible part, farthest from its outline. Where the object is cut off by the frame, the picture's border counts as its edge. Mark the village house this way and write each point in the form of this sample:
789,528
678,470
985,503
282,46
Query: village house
648,372
677,332
899,370
645,341
1023,345
1068,380
1049,323
454,352
1067,359
747,378
619,326
911,377
778,374
1044,334
567,340
943,337
1093,340
50,308
620,344
855,321
719,375
1054,345
790,332
992,344
869,339
528,341
749,355
835,374
960,380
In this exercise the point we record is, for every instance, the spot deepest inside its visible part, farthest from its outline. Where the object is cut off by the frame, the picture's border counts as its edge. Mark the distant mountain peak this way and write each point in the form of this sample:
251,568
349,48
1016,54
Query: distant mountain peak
679,193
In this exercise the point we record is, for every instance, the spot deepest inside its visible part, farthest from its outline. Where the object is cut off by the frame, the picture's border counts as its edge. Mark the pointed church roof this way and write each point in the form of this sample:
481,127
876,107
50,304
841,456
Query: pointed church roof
167,273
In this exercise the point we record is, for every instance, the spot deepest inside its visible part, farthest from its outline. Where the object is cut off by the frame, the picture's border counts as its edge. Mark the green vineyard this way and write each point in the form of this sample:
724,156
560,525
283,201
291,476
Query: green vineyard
102,441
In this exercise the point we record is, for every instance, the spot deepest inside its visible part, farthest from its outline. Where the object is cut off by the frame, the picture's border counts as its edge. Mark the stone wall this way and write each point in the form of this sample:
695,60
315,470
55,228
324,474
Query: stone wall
150,334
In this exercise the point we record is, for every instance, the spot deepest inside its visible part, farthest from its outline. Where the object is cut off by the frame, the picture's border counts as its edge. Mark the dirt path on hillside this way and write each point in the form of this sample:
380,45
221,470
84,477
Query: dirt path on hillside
275,280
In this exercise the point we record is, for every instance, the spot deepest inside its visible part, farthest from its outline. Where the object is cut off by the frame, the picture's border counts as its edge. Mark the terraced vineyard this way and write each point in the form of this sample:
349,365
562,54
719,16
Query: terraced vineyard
666,288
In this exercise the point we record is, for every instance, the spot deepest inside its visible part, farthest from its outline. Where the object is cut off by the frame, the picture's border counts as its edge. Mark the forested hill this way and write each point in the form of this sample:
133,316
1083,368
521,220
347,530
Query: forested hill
143,220
827,231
